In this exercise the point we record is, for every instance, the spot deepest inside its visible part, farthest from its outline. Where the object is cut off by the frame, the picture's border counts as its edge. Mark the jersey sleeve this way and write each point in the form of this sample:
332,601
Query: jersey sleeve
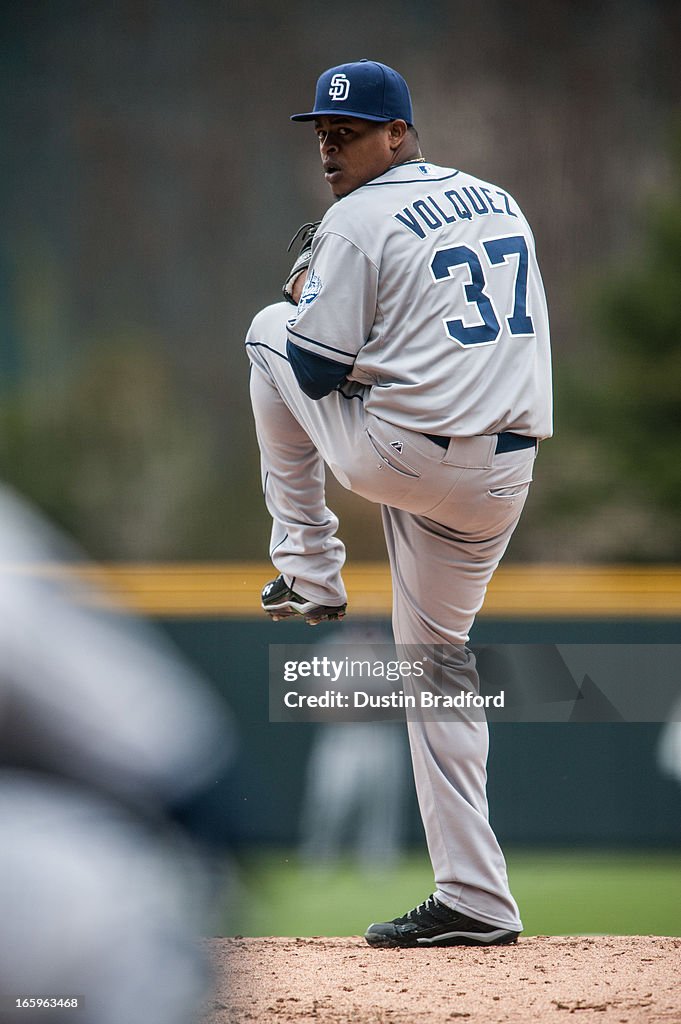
316,375
337,308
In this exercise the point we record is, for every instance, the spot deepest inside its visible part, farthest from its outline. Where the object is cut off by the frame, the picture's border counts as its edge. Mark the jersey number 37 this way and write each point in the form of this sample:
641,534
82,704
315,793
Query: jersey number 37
444,268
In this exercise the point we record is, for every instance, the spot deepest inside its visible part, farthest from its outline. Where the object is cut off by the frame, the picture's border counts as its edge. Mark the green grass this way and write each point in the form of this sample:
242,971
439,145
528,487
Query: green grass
607,892
559,893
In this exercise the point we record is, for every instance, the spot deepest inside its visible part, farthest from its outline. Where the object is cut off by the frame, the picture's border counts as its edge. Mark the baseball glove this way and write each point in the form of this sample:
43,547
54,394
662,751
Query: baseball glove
306,233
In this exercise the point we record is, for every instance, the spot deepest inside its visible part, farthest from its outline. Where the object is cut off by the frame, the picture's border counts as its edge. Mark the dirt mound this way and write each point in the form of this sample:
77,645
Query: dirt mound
623,979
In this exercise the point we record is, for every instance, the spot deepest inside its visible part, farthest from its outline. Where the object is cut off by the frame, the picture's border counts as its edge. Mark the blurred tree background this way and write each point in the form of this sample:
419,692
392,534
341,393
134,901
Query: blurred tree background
151,180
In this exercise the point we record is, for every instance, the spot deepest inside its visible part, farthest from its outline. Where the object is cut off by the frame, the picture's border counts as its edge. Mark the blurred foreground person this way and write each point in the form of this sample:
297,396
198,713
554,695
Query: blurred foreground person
110,748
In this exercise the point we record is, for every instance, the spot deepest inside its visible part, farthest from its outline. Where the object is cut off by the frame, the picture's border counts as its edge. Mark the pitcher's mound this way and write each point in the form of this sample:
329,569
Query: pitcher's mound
623,979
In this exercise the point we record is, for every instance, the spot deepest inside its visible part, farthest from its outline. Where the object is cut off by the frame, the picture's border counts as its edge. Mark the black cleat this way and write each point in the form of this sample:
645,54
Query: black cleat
281,602
434,924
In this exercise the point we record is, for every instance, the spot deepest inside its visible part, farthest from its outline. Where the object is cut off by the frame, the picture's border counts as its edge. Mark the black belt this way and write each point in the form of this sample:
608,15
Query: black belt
506,442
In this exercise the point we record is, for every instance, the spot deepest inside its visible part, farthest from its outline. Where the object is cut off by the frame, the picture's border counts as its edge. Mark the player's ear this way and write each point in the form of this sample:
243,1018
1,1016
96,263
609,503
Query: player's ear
396,132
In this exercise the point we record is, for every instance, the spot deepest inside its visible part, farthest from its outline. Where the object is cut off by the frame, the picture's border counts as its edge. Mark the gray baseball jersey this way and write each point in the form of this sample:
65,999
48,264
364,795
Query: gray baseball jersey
424,283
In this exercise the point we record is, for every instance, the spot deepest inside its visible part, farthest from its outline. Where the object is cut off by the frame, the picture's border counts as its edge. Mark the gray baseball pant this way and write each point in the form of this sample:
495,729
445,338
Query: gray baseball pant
448,516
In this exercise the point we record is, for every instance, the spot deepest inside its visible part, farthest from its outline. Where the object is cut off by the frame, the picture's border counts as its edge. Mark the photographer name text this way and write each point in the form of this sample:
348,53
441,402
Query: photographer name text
396,699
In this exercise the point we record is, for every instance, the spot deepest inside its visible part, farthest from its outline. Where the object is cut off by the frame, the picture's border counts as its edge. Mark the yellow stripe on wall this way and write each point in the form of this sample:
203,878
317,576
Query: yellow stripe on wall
232,589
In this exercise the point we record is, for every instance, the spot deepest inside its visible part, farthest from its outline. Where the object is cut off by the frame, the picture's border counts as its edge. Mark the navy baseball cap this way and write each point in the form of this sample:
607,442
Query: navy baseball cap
363,89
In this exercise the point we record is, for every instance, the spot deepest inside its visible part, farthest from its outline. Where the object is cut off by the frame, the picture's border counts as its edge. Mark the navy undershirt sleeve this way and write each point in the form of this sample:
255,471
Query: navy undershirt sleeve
317,375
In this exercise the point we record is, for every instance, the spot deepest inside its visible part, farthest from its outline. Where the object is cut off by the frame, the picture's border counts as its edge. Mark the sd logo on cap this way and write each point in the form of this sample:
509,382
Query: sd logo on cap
363,89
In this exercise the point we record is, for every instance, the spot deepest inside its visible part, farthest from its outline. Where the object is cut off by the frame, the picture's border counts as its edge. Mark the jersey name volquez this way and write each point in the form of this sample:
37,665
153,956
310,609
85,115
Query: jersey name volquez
471,201
426,285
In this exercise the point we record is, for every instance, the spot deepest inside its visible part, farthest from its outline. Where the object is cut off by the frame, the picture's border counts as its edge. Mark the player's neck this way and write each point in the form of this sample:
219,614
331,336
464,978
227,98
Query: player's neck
407,154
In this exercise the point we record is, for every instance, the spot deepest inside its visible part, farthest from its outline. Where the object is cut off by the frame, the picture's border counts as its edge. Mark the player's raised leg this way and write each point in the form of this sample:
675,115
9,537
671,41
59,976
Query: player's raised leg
304,546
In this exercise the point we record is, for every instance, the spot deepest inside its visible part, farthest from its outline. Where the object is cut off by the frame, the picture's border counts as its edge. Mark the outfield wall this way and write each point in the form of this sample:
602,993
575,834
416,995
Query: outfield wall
558,783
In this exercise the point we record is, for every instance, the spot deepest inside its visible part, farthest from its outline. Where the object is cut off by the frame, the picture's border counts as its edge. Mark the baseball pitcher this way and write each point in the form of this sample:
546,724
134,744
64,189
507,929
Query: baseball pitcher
417,367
